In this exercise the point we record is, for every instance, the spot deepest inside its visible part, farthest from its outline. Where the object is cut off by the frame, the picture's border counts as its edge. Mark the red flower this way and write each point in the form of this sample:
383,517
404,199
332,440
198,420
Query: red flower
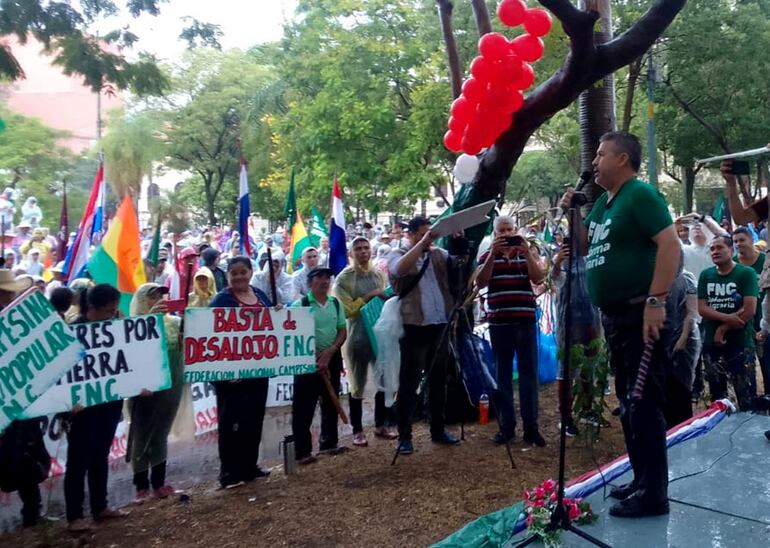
574,512
549,485
553,497
530,520
539,493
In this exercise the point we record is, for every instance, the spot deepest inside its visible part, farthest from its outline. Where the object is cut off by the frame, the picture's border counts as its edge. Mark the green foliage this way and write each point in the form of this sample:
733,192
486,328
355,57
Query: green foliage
591,366
538,175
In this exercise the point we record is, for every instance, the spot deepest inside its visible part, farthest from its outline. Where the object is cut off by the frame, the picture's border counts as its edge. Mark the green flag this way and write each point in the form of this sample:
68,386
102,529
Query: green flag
154,253
318,230
547,237
719,208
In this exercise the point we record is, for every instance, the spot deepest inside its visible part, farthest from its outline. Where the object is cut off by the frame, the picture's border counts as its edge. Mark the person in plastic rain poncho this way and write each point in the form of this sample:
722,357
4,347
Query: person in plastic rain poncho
31,212
7,209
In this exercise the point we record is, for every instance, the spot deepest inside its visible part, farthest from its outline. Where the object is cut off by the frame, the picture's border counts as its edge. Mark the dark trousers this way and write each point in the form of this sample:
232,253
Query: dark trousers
240,411
29,493
518,340
89,440
155,477
307,389
29,465
763,353
381,413
731,364
421,345
644,427
678,406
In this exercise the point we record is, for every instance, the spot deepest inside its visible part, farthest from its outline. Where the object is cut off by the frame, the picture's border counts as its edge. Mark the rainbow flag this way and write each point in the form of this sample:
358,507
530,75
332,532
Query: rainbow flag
299,238
118,260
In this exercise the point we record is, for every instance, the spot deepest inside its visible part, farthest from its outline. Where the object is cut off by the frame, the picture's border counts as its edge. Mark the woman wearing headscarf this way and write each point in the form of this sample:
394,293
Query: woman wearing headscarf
153,414
78,287
31,212
284,283
203,289
241,403
91,430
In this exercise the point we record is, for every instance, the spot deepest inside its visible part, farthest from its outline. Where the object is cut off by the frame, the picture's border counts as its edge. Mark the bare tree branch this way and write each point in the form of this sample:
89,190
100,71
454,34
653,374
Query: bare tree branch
687,106
480,12
585,65
445,8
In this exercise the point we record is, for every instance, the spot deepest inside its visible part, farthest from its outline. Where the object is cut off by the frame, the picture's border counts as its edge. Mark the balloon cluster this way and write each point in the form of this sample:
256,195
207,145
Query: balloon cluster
498,78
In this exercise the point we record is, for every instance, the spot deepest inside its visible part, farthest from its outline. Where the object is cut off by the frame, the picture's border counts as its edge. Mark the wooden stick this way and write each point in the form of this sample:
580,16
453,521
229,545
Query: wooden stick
333,396
272,276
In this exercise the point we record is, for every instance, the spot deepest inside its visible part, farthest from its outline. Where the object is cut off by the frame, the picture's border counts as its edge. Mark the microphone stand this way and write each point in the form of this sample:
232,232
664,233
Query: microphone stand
560,515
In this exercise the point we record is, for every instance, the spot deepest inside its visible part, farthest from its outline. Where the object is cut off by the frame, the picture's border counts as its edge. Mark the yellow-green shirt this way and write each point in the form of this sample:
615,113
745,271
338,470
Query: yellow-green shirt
329,318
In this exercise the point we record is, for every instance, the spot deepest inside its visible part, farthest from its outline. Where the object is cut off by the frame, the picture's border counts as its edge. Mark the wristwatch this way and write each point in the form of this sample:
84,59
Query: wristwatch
656,302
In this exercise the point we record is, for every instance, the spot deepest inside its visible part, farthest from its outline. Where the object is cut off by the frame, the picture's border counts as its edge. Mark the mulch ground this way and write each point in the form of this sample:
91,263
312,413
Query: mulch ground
353,499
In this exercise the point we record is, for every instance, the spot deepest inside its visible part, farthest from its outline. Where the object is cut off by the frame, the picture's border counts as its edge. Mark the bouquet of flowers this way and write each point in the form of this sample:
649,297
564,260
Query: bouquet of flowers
539,504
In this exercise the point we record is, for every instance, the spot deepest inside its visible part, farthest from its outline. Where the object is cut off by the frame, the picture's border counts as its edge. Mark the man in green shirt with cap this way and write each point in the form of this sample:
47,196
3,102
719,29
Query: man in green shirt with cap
632,257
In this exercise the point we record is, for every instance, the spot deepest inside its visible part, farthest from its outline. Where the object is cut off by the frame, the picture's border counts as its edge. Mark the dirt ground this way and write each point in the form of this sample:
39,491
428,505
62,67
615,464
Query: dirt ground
353,499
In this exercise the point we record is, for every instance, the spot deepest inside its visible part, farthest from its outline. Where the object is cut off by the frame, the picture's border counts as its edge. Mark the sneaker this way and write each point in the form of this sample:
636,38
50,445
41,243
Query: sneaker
111,513
234,485
163,492
635,507
405,447
142,495
502,439
570,430
308,459
261,473
386,432
534,437
79,526
444,438
359,439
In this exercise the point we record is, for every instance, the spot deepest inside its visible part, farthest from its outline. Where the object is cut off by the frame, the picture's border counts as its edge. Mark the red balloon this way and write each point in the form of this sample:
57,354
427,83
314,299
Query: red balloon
538,22
493,46
512,12
526,77
482,69
471,147
473,138
473,90
529,48
511,68
513,101
453,141
456,125
498,94
462,110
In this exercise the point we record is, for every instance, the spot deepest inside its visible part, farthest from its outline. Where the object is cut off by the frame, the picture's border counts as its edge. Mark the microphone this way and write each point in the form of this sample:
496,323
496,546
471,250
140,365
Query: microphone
579,198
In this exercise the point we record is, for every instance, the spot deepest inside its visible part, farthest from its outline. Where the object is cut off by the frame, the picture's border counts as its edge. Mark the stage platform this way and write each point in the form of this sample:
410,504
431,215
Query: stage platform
732,492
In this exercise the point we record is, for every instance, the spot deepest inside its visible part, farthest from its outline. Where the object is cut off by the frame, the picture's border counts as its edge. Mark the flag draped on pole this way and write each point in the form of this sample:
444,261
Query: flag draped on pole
243,216
338,252
64,229
318,230
118,260
90,224
719,208
154,254
299,240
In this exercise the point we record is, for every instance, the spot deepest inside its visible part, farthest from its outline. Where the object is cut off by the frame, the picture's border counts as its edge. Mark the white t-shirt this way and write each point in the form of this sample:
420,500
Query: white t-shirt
696,259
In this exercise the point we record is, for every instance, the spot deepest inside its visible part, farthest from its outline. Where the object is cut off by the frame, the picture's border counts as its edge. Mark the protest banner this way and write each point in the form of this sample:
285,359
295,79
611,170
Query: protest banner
123,357
225,344
36,348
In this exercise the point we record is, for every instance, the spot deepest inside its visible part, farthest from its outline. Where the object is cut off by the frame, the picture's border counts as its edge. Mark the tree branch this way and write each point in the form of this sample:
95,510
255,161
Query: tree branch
445,8
686,106
480,12
585,65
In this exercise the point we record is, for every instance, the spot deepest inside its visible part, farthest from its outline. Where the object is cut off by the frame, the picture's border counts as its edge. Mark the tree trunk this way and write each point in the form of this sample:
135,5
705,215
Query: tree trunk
208,181
688,183
445,8
596,105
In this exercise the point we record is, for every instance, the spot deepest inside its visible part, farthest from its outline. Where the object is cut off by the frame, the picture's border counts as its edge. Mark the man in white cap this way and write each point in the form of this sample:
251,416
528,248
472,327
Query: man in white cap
25,434
32,265
57,272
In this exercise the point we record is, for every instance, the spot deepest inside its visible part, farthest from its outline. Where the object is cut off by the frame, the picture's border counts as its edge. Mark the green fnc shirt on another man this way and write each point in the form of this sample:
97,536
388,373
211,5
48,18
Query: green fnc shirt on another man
758,265
725,294
328,319
621,254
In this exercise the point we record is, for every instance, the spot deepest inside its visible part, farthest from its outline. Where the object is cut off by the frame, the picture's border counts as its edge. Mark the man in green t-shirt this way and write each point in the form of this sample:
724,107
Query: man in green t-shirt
727,301
632,257
330,335
749,256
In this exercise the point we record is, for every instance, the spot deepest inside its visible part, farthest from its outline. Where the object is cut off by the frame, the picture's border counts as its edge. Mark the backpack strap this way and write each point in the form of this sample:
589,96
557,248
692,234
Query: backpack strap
306,302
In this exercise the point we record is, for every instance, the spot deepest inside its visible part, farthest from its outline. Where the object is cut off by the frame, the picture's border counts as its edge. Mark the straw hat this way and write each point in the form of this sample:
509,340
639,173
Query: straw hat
9,283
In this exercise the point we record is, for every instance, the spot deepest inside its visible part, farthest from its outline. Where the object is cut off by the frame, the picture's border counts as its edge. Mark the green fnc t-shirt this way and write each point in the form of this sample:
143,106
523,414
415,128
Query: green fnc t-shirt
758,265
621,254
725,294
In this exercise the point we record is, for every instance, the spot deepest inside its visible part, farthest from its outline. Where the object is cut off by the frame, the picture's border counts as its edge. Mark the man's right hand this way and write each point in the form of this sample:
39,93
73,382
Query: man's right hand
498,245
426,241
734,321
727,174
566,200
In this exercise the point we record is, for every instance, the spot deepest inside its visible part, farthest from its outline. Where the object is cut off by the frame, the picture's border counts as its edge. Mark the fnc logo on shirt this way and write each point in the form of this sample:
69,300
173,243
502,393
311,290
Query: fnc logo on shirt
597,233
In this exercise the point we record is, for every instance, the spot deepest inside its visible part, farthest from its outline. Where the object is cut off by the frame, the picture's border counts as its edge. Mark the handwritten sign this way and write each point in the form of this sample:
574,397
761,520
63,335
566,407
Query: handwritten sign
225,344
123,357
36,348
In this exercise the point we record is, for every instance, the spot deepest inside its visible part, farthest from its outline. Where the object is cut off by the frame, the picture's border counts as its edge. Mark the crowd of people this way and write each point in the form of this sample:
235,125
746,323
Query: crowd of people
689,291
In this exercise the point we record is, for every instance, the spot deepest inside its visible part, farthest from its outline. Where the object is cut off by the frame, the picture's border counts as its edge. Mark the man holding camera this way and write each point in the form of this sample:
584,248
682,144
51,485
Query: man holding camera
632,259
508,270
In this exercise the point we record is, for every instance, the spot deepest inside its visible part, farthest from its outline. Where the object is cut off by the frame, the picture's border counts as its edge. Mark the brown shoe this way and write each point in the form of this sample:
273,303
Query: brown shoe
359,439
111,513
79,526
385,432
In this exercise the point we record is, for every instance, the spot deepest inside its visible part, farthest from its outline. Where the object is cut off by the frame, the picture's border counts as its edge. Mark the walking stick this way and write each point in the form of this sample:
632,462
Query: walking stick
2,241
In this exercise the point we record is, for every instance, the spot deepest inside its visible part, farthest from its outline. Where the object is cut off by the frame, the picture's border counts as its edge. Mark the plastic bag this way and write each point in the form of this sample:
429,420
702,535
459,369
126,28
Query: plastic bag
388,332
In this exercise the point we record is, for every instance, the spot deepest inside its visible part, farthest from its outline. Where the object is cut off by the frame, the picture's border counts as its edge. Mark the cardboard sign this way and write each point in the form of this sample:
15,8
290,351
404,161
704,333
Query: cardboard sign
123,357
225,344
36,348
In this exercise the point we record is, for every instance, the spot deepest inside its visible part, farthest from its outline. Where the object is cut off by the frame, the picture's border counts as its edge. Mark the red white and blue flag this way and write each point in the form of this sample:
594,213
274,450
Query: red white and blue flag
89,229
338,252
243,216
